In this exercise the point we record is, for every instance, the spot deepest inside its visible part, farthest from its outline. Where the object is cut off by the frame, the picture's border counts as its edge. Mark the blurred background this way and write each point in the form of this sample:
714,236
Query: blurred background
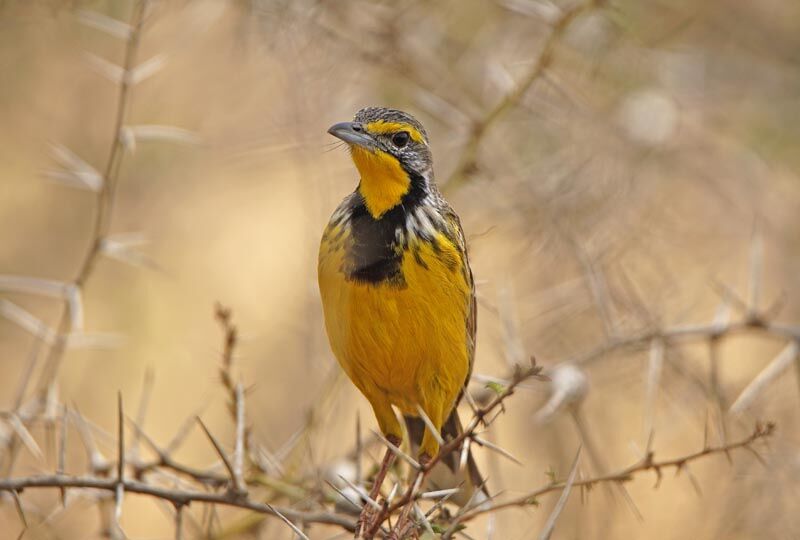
646,179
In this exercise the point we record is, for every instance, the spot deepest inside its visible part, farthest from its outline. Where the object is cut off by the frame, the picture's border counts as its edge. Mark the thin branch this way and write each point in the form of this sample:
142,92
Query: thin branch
120,489
62,453
399,453
120,439
495,448
291,525
550,525
104,196
691,333
238,453
655,365
20,510
715,388
775,368
178,522
175,496
144,401
648,463
756,266
469,155
429,426
224,317
165,461
221,453
183,431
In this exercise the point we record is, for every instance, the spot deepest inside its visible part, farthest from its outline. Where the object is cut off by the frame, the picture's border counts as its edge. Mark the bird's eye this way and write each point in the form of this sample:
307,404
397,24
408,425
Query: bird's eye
400,139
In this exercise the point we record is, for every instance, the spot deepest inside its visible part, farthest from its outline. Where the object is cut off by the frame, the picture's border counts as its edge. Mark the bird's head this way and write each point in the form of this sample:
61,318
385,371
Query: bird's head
390,150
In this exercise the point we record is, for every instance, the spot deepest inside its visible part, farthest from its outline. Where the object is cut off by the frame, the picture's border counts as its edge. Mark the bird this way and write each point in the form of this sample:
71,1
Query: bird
398,293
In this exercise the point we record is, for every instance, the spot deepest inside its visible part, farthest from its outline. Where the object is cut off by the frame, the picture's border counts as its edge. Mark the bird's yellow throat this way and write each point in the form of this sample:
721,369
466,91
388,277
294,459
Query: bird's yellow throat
384,182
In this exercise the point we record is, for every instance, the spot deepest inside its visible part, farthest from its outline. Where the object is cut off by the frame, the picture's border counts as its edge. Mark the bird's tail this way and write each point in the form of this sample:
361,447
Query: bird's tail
447,473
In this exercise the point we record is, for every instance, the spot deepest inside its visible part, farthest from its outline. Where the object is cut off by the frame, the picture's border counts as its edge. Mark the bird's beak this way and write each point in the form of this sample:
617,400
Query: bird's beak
352,133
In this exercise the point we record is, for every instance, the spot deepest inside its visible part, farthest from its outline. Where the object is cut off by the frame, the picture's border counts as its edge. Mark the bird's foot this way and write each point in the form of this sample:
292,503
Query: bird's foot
424,459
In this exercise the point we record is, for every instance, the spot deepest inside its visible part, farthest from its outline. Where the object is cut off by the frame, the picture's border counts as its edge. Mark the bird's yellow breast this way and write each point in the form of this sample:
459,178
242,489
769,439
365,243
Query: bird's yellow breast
406,340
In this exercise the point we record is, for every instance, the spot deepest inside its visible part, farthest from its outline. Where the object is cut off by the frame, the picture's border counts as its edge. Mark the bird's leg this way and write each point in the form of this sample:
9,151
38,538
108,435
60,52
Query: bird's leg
364,523
388,461
404,522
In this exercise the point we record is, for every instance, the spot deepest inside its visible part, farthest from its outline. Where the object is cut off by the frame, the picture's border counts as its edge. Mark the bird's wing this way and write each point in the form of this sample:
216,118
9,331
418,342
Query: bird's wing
457,235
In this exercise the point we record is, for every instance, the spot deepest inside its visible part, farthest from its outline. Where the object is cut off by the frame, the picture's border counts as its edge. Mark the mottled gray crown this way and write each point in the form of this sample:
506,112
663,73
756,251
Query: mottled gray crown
372,114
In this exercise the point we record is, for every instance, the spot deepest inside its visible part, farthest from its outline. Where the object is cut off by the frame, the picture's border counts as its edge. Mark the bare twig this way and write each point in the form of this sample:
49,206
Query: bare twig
715,389
121,439
221,453
238,453
550,525
147,387
165,461
20,511
782,361
175,496
429,426
469,153
756,266
647,463
120,487
655,365
178,522
105,195
690,334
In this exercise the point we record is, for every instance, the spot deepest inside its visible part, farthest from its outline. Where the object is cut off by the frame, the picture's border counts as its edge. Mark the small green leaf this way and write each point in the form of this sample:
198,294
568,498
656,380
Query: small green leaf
551,474
495,387
439,529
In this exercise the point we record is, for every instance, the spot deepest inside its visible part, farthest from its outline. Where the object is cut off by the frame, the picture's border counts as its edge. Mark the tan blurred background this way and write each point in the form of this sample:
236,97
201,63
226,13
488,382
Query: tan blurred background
620,194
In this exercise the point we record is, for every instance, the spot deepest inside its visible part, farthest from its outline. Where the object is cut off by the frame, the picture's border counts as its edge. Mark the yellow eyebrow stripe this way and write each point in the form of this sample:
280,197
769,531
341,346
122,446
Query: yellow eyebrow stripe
380,127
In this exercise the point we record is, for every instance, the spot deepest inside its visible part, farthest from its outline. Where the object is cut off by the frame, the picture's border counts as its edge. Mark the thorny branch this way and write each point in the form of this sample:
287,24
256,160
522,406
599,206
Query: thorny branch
230,339
105,195
700,332
413,493
181,498
235,495
647,463
479,417
175,496
71,309
468,155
